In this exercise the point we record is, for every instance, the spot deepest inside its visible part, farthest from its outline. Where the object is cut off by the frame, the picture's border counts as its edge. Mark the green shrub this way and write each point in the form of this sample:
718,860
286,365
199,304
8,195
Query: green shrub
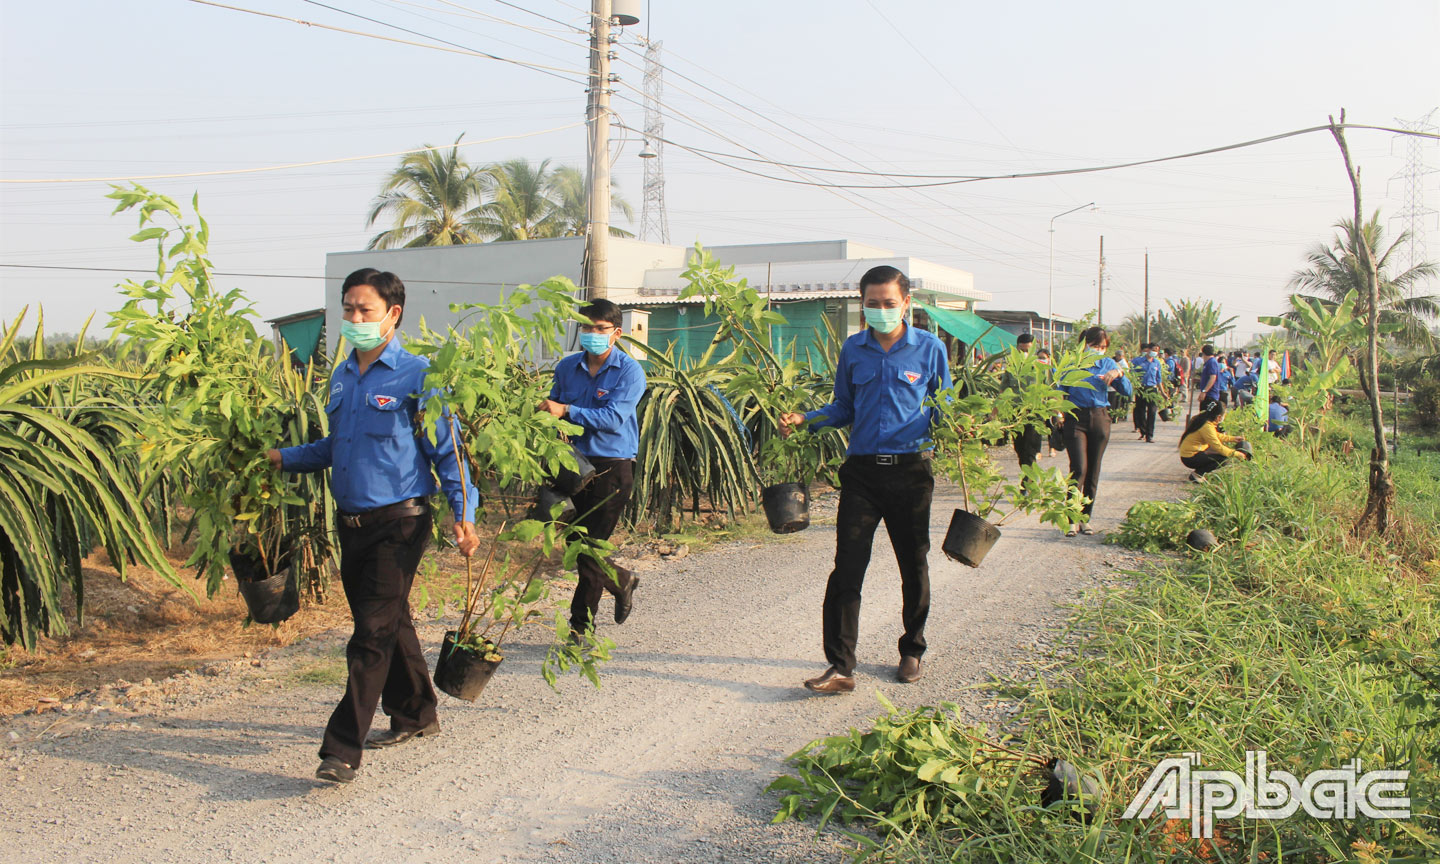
1425,402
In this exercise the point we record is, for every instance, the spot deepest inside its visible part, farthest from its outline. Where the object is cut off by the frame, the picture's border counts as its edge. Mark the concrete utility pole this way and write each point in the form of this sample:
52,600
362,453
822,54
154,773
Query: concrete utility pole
1100,288
1147,295
596,270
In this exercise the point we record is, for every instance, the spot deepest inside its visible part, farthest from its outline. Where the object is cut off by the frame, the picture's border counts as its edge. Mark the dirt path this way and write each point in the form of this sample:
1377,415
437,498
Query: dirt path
666,763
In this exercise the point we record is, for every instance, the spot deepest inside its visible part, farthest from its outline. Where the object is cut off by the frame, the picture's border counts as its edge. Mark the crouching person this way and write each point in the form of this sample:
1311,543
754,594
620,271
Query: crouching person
1203,446
381,465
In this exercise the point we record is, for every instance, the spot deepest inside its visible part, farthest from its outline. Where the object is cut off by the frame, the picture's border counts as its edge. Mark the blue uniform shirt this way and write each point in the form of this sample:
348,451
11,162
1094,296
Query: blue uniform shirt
1279,416
1171,365
1151,372
375,452
1097,394
1227,378
1212,367
881,395
605,404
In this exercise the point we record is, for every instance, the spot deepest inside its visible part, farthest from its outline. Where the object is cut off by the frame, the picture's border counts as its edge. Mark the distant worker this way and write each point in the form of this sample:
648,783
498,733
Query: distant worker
1211,389
1278,423
1028,440
1087,430
1152,391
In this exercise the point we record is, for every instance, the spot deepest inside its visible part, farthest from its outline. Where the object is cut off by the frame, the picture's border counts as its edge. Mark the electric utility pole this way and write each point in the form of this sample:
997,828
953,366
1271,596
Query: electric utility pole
1100,288
596,265
1147,295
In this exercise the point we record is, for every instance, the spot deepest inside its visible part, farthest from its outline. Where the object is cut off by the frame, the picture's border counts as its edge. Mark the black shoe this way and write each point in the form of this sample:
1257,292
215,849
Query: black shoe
909,671
395,736
334,770
625,600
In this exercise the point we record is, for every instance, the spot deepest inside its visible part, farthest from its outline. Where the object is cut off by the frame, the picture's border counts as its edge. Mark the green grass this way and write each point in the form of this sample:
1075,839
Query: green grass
1292,637
329,670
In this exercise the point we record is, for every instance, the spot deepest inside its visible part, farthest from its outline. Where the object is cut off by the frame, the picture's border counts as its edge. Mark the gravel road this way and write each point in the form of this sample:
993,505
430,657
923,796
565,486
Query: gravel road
667,762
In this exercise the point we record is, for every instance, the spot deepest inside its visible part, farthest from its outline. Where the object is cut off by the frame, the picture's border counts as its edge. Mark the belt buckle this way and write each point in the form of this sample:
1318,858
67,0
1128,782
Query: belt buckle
885,459
350,521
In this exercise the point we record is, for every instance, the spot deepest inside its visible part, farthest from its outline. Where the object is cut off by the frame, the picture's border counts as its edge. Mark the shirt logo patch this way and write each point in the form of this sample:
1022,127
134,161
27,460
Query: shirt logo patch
601,394
339,385
911,377
382,401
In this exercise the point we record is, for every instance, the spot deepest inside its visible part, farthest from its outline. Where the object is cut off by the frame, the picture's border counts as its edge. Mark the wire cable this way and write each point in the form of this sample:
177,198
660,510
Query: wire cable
291,165
553,71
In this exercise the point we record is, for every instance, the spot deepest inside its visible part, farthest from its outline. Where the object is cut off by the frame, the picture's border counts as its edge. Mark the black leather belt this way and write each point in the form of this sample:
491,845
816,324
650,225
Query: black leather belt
892,458
398,510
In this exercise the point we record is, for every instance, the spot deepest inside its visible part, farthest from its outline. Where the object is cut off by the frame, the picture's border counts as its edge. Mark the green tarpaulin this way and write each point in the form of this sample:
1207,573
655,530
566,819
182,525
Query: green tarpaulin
302,336
970,329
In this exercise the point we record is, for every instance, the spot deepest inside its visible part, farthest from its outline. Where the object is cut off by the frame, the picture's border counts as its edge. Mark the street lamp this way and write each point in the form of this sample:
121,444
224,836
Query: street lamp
1050,312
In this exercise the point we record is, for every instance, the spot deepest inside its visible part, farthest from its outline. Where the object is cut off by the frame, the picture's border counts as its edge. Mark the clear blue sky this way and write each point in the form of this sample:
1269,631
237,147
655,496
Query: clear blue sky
96,89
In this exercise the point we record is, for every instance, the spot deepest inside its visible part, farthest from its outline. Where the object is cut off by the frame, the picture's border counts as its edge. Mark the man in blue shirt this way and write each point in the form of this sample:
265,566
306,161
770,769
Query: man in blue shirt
1087,428
1210,383
886,374
381,475
1152,390
599,389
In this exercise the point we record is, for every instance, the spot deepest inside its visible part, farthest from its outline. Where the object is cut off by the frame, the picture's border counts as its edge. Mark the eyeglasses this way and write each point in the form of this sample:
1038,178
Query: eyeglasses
602,329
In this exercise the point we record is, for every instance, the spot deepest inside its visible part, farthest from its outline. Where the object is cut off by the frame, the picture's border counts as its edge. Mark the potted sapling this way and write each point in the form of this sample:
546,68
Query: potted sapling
966,426
786,467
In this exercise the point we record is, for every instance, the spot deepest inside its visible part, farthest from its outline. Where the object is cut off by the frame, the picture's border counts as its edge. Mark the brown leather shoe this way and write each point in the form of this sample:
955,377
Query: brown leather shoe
831,682
393,737
909,671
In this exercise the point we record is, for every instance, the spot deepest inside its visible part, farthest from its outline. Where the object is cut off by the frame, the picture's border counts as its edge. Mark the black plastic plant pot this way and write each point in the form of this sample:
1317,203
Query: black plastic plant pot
569,482
270,597
1244,447
545,502
1201,540
1166,414
787,507
969,538
463,672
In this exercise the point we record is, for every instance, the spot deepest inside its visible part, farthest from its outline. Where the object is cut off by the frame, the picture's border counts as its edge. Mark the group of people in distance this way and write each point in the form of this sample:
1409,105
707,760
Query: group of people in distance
384,470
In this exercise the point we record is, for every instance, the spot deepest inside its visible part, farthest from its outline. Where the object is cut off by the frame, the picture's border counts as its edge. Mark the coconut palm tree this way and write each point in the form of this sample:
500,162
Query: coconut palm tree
435,198
1194,323
1334,271
567,190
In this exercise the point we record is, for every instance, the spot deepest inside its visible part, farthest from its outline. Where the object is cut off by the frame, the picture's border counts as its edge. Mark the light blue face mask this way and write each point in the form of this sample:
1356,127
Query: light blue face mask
884,320
595,343
365,335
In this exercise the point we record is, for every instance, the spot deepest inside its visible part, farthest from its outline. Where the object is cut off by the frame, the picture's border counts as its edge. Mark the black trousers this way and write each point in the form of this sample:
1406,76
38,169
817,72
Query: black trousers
1087,432
1027,445
1145,411
387,667
600,505
900,495
1203,463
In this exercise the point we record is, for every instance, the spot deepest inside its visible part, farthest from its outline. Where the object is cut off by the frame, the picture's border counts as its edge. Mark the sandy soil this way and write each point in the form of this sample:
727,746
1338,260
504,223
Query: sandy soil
667,762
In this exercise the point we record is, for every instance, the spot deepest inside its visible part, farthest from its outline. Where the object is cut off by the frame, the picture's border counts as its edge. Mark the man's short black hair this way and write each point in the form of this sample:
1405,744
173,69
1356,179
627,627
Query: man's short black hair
884,275
1170,352
1094,335
1024,339
386,284
602,310
1208,350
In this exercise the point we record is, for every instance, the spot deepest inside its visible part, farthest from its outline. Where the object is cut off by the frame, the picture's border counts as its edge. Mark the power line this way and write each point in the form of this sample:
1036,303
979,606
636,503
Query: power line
291,165
958,179
552,71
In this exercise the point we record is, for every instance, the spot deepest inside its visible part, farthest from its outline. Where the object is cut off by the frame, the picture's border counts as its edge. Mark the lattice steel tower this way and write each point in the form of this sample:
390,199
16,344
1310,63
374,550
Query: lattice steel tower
1414,214
654,224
